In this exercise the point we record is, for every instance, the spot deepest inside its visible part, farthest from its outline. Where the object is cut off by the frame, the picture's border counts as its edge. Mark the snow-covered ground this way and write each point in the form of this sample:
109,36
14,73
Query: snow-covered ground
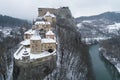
89,40
87,21
113,28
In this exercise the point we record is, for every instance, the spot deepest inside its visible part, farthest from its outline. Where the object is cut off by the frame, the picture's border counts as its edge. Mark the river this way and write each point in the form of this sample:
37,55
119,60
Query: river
102,69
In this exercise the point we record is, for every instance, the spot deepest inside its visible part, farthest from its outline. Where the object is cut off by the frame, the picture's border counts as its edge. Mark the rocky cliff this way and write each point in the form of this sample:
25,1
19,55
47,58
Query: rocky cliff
34,72
73,61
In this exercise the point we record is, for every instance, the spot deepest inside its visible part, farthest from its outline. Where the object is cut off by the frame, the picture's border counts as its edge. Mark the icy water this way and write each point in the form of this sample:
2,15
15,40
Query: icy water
102,69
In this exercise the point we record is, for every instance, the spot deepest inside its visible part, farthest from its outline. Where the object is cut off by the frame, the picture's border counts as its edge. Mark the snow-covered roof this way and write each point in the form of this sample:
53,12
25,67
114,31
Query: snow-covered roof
30,31
26,53
48,40
36,36
25,42
49,33
41,22
19,54
49,14
39,18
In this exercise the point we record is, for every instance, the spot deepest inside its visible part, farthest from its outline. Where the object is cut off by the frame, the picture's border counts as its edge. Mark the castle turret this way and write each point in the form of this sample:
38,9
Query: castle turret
50,17
28,34
50,34
35,43
26,56
45,25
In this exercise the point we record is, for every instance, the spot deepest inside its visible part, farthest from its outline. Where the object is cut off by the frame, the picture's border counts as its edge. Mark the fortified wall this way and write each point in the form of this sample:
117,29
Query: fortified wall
42,11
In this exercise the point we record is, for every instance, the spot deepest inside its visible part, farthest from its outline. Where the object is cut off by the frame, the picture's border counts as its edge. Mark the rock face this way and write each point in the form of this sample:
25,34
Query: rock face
2,66
34,72
7,48
72,55
111,48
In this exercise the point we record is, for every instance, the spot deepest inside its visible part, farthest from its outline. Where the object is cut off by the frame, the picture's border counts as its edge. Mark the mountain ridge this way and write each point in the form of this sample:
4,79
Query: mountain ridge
110,15
6,21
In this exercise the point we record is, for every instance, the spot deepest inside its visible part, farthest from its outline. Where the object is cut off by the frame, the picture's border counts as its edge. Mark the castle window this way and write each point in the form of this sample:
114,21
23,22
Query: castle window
49,46
36,45
33,41
36,49
32,46
26,37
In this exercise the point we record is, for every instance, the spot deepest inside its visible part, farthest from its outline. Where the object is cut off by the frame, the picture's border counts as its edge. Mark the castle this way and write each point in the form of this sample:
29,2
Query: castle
39,42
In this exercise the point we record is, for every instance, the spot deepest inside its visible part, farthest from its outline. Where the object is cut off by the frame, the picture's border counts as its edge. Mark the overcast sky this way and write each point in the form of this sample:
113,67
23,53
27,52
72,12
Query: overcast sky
27,9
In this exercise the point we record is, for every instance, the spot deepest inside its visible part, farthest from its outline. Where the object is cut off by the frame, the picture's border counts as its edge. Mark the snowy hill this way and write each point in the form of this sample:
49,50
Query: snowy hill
110,16
99,27
105,30
11,31
11,22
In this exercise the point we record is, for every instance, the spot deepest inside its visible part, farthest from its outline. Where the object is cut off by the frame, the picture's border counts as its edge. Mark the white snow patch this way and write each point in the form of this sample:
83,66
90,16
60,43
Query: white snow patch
49,33
118,67
41,22
30,31
36,36
48,40
79,25
25,42
113,28
49,14
89,40
87,21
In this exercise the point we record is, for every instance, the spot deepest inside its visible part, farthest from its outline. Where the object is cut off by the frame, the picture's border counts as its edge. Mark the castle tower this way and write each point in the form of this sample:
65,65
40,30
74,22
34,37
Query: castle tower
42,11
50,17
25,56
50,34
35,43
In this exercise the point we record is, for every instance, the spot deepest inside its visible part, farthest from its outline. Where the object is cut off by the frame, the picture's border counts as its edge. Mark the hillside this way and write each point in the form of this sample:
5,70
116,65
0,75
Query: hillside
11,31
103,29
7,21
110,16
99,27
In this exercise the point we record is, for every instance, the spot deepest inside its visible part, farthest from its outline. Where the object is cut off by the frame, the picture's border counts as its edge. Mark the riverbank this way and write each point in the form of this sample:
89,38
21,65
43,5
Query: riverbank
102,68
113,61
99,69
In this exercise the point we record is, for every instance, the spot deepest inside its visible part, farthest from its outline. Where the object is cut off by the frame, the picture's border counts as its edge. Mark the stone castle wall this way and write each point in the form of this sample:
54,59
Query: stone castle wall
42,11
35,46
